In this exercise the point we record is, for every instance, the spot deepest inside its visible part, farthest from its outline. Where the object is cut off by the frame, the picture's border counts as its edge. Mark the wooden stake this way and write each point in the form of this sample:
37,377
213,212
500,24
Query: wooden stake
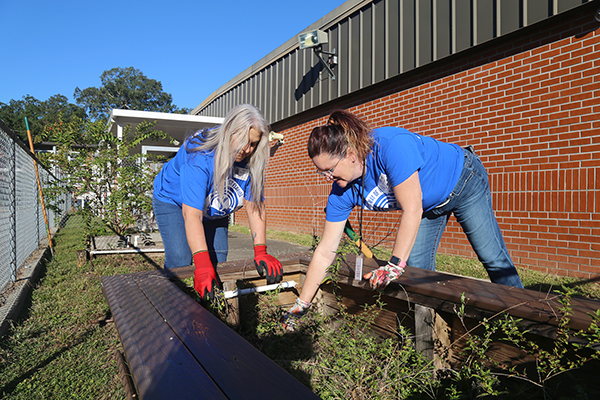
39,184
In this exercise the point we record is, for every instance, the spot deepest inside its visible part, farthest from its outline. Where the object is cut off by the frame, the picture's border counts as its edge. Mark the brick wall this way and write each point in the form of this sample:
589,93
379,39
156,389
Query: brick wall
530,104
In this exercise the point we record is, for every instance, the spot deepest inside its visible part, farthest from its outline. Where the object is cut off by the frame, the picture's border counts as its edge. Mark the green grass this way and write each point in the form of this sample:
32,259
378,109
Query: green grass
61,347
531,279
290,237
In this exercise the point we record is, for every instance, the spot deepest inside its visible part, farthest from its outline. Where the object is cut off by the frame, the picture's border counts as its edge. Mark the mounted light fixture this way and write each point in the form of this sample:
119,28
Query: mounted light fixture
315,39
312,39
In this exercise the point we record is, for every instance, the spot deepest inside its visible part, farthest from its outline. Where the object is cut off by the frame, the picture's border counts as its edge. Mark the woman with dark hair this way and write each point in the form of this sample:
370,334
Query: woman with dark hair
391,168
213,174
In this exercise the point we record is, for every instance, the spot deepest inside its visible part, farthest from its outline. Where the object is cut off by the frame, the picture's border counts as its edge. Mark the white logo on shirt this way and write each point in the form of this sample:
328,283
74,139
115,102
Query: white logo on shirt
381,198
233,198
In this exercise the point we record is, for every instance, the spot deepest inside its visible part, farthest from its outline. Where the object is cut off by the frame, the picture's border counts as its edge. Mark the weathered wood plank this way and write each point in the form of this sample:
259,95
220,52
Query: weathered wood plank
354,299
443,291
161,365
239,369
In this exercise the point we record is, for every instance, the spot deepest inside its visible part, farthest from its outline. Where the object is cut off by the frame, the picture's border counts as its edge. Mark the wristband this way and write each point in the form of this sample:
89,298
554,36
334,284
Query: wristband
395,261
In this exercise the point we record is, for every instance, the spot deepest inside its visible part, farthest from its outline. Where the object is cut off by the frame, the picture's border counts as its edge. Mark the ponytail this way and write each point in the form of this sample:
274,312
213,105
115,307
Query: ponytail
342,130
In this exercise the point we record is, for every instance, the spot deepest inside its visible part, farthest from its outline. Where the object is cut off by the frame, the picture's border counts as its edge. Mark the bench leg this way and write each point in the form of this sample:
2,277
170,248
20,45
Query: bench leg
233,305
432,335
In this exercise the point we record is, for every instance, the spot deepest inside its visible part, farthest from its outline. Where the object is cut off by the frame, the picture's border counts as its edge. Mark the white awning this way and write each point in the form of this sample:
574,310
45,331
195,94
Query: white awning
178,126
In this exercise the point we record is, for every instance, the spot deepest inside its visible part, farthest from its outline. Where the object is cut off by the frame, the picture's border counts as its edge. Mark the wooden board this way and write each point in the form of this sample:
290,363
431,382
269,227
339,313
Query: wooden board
443,292
161,365
240,269
239,369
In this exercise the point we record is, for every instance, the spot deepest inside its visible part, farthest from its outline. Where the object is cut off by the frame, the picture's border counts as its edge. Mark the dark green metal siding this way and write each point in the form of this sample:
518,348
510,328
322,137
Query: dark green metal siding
374,40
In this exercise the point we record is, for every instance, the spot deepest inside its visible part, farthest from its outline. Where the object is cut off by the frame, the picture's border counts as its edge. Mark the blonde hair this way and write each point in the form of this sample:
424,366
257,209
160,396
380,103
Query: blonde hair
228,140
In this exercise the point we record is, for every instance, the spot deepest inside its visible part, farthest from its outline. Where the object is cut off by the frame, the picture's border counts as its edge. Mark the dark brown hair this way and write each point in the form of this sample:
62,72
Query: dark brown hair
342,130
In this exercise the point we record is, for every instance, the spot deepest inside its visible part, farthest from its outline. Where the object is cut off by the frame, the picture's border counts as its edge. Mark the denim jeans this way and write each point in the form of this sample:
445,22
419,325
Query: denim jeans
172,231
471,203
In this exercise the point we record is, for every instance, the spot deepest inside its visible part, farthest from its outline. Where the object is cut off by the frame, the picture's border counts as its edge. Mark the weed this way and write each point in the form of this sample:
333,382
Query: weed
539,378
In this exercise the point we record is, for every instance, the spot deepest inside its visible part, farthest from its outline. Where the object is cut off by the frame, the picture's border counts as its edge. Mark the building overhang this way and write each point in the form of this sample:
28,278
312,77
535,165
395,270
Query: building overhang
177,126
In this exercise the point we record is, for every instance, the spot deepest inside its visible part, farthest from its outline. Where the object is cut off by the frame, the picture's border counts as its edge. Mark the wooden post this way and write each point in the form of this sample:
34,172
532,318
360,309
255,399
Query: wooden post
233,309
424,330
37,174
432,335
442,341
82,257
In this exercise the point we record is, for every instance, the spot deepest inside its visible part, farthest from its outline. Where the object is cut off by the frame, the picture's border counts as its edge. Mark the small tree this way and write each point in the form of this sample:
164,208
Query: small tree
116,183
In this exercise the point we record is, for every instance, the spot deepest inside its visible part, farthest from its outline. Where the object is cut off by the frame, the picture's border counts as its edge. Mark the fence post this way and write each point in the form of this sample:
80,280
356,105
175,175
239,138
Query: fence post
13,213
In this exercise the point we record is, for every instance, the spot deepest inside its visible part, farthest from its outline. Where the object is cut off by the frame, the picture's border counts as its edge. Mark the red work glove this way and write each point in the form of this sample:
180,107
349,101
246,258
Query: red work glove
382,276
206,280
292,319
267,264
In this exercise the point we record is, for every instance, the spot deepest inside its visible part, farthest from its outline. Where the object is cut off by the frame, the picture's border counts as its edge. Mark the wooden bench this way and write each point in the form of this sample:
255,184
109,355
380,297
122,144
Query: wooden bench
176,349
427,301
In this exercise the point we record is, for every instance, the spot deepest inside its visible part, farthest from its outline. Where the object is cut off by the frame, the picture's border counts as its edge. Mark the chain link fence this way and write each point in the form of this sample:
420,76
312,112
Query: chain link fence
22,223
113,216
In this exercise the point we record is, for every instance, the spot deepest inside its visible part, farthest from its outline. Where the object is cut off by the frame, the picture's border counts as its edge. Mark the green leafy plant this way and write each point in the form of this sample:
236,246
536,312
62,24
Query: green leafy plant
115,180
568,351
351,361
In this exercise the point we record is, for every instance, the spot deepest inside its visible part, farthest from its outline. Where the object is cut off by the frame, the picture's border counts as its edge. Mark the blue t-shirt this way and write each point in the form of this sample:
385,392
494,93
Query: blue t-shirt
398,153
188,179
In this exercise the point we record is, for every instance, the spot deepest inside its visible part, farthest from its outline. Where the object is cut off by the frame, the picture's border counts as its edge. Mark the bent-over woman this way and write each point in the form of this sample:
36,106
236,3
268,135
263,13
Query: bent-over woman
391,168
214,173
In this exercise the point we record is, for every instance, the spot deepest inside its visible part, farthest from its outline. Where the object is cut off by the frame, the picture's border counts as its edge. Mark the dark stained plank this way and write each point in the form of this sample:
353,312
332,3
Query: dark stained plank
436,288
239,369
161,365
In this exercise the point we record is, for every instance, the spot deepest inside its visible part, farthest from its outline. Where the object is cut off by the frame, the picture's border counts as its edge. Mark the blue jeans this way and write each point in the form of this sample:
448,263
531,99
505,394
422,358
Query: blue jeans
172,231
471,203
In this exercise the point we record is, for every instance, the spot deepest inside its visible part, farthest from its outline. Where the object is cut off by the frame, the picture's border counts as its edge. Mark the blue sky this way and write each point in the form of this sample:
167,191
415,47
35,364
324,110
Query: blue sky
191,47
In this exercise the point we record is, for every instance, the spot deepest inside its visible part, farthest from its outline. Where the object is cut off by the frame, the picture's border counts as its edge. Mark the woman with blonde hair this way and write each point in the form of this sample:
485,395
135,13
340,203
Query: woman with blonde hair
214,173
390,168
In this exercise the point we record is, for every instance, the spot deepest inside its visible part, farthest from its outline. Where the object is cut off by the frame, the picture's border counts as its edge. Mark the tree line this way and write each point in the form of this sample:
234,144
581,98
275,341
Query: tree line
114,181
121,88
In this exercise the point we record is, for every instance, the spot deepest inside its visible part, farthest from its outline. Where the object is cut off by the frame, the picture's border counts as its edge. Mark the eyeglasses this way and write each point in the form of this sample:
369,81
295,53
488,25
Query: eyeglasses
329,173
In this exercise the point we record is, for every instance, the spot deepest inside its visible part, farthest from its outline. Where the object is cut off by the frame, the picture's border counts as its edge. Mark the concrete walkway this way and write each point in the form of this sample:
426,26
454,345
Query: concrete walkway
242,248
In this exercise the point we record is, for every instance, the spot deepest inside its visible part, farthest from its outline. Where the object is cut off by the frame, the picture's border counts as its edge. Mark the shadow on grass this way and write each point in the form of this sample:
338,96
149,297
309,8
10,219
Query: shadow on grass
579,286
9,387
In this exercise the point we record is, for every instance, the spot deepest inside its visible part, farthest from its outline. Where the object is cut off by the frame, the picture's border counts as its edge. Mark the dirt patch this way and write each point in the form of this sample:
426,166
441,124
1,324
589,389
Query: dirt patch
23,274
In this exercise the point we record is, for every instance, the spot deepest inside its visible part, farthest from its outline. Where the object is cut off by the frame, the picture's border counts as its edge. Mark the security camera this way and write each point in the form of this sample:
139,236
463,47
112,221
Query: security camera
315,39
312,38
275,136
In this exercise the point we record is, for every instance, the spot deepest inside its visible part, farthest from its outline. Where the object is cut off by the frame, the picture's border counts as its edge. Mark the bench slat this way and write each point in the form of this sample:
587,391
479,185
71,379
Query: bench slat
523,303
239,369
161,365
